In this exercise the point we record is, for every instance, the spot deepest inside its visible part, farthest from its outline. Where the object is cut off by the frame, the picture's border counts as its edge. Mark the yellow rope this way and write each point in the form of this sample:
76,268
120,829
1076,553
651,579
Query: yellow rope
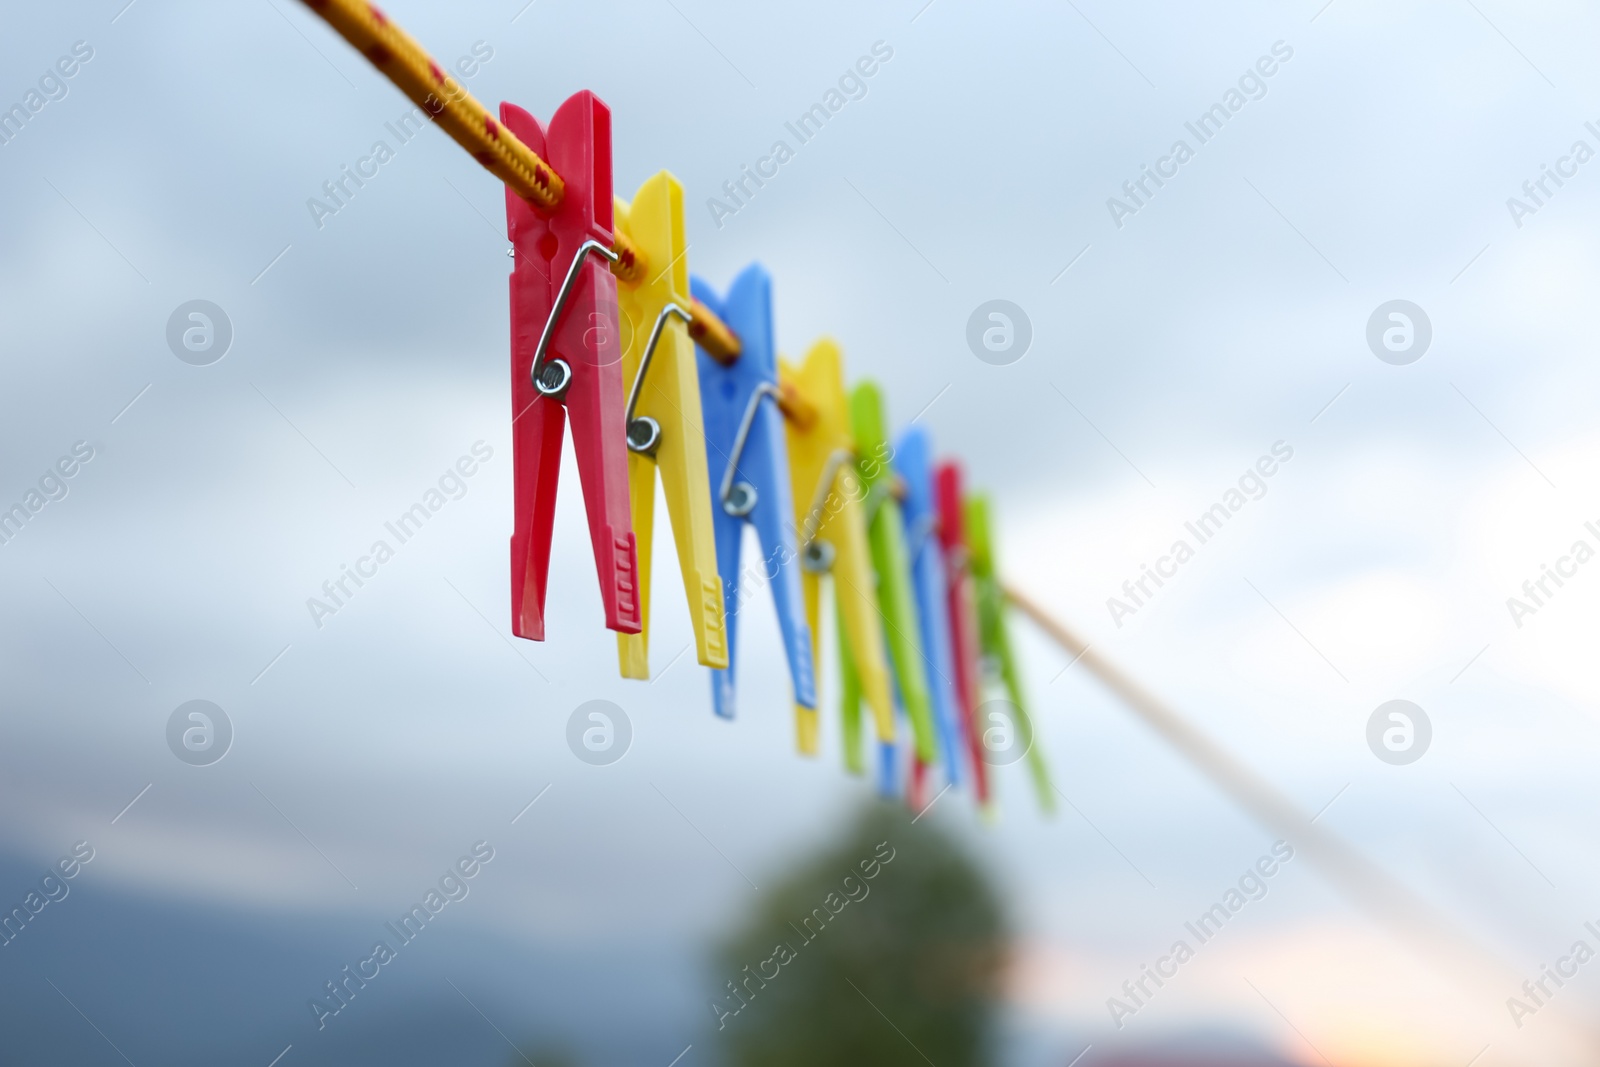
403,61
397,54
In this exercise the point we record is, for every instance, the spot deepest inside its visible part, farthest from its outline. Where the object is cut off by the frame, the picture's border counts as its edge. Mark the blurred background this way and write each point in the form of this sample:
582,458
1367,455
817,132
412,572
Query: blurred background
1177,336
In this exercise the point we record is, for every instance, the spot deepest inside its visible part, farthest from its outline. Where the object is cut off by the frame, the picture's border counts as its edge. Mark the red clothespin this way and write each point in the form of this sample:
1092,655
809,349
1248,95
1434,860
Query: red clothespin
963,608
566,361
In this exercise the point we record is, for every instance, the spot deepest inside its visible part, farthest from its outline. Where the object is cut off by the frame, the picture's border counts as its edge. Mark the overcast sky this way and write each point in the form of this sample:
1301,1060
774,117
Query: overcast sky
1172,347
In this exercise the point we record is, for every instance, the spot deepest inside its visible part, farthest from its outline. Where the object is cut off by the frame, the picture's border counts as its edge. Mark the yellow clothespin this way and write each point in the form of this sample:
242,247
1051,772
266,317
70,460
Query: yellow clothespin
828,496
663,421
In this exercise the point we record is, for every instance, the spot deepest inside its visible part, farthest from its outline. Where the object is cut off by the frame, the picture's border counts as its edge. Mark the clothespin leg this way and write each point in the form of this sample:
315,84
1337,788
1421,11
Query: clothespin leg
1037,769
862,625
917,789
928,570
730,538
905,638
807,730
775,527
633,650
849,703
888,769
537,432
606,499
965,633
681,462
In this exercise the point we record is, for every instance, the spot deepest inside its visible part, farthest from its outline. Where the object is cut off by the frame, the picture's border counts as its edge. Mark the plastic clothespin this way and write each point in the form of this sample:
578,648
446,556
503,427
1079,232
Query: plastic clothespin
566,363
996,640
850,716
849,698
664,430
886,534
962,615
913,461
828,499
747,454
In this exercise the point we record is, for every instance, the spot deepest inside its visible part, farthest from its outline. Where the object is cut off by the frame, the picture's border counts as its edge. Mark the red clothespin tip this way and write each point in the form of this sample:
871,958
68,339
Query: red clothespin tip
566,364
963,609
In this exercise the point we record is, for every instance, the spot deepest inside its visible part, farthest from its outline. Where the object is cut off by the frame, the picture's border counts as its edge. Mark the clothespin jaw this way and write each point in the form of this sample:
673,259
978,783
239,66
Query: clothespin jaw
962,613
995,635
828,498
886,535
565,364
913,461
748,458
662,423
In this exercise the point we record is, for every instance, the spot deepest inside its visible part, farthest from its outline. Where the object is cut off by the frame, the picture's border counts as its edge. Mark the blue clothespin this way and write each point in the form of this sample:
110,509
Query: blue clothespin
913,461
748,462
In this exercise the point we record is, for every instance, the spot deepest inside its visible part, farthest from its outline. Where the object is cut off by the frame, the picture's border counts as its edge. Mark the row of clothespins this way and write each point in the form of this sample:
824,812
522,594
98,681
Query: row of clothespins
659,375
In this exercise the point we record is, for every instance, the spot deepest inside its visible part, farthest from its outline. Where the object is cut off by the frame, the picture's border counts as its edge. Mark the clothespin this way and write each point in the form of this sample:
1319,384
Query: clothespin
664,430
962,613
886,534
559,214
745,409
566,363
850,695
828,500
913,461
996,639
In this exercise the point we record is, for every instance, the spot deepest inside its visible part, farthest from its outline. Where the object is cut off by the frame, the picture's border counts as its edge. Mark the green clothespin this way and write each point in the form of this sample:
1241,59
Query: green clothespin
886,534
995,638
850,694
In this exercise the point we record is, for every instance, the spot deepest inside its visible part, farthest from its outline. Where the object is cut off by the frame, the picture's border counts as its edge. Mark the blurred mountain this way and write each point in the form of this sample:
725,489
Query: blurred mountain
106,974
1194,1050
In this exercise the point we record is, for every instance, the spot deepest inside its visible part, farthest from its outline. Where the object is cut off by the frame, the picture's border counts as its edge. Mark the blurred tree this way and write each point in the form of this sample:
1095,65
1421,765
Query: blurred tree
885,949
